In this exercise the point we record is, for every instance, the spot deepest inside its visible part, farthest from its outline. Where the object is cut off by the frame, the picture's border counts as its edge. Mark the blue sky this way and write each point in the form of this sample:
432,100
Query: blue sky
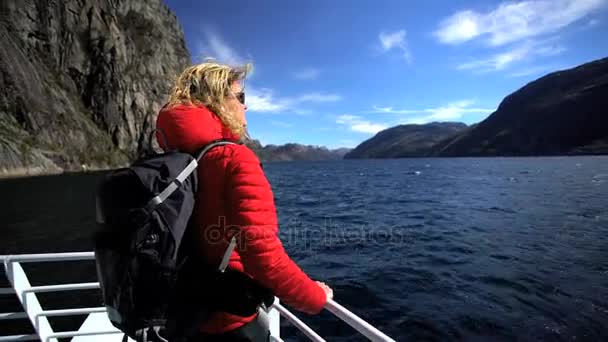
336,72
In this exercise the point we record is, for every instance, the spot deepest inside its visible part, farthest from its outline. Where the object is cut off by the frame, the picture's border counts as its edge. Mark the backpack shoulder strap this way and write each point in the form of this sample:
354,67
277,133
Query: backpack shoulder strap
211,145
160,198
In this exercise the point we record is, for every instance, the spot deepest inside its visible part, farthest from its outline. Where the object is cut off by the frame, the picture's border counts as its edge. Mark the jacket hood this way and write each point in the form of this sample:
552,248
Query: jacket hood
189,128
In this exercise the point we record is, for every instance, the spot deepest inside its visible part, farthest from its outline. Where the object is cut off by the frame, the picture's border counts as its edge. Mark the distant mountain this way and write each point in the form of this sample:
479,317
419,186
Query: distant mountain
291,152
565,112
406,140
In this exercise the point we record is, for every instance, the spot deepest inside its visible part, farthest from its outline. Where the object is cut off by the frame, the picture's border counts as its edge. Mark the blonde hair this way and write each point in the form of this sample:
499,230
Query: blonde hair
208,84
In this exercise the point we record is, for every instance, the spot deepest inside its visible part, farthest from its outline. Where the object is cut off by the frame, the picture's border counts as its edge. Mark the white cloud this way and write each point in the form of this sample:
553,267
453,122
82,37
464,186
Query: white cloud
214,46
357,124
459,28
391,110
346,118
306,74
392,40
302,111
526,51
514,21
317,97
495,62
450,112
533,70
395,40
261,100
280,124
264,101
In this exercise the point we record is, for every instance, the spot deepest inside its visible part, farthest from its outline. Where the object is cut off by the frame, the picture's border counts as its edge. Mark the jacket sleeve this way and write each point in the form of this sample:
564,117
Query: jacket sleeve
252,210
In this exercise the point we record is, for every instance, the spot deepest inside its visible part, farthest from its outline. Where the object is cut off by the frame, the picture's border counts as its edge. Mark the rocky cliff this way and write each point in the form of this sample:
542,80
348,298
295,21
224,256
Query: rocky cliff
406,141
565,112
82,81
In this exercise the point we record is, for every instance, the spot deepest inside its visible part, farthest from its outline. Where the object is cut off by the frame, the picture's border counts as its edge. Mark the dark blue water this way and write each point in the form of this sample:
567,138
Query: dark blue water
424,249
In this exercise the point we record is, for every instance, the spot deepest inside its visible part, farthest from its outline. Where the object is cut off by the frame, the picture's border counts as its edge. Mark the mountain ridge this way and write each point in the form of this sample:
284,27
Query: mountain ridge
561,113
411,140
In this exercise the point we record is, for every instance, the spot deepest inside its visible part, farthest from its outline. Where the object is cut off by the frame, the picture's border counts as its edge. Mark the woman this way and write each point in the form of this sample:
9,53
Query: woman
207,104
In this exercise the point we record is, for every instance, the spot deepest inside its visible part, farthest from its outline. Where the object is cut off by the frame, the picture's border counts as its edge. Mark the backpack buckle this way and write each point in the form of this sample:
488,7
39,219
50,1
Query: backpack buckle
139,216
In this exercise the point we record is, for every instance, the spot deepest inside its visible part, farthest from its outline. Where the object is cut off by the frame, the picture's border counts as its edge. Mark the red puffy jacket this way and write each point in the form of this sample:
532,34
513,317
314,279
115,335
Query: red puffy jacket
234,192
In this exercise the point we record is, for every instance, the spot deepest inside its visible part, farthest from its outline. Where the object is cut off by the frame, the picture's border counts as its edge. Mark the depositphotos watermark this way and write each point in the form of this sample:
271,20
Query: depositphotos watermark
299,234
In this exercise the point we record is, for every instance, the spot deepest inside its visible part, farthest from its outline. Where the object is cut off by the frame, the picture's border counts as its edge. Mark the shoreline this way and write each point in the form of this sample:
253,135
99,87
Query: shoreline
38,172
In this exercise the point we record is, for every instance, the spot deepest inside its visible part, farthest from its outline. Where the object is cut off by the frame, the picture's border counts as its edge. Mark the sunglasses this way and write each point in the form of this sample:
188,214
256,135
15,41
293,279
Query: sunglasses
240,96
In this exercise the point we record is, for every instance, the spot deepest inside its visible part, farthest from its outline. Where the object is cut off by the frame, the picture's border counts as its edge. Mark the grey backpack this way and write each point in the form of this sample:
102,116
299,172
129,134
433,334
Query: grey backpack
142,213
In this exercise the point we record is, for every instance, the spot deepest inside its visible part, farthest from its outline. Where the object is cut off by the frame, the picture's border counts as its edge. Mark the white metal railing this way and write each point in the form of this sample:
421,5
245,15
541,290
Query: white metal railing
42,257
33,310
97,323
311,334
356,322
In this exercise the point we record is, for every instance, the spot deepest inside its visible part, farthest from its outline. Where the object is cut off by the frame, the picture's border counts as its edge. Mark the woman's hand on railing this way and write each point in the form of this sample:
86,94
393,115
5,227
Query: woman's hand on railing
328,291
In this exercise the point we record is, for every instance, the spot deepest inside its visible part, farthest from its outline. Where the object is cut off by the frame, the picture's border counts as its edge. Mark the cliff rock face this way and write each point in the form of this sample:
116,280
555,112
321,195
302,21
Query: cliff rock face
565,112
82,81
406,141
